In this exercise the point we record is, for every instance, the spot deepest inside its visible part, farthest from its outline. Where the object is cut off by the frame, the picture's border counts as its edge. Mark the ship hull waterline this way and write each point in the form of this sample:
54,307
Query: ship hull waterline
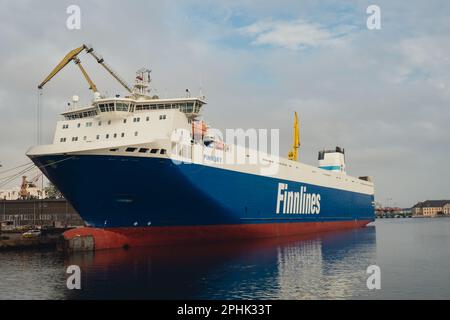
130,201
115,238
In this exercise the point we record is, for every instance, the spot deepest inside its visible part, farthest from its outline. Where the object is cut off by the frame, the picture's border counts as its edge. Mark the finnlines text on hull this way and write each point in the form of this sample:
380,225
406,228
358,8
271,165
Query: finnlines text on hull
297,202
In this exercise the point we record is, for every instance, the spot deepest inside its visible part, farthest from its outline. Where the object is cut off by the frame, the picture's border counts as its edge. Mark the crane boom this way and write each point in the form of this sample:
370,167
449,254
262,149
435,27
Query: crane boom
69,57
100,60
92,85
72,56
293,153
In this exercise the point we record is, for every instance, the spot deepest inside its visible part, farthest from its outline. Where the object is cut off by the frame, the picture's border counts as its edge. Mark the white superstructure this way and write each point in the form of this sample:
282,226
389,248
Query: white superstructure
143,127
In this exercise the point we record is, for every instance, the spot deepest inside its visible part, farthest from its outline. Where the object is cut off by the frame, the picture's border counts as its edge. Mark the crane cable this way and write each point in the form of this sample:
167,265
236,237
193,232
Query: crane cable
15,176
20,166
39,117
39,126
10,178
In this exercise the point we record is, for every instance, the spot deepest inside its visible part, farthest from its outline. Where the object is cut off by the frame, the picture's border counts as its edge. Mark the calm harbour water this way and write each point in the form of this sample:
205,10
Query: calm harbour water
413,255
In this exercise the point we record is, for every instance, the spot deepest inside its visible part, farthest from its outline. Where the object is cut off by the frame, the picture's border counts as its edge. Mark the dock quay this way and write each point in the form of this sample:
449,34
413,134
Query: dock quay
16,240
49,218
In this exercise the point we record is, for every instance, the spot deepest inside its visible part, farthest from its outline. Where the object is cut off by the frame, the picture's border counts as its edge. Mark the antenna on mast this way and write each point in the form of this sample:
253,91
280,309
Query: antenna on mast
142,81
200,92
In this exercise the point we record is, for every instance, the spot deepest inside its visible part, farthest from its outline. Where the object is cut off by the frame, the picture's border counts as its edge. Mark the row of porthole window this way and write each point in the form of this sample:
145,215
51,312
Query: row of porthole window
115,135
136,133
142,150
138,119
88,124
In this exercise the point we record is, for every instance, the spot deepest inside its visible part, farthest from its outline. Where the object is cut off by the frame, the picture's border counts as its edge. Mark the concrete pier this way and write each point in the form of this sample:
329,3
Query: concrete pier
15,240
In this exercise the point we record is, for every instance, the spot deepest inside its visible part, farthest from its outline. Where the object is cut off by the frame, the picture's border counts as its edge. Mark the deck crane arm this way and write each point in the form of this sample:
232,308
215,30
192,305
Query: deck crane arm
293,153
92,85
72,56
69,57
101,61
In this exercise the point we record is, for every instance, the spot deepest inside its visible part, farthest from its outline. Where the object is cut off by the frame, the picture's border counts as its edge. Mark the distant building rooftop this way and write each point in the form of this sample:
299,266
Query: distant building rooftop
432,204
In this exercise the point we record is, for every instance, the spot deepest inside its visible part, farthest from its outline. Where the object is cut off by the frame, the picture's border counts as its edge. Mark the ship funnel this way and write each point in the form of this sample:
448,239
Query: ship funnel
332,160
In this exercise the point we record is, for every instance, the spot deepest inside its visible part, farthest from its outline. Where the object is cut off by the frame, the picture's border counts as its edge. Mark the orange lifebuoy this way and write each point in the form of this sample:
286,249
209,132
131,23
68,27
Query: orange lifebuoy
199,128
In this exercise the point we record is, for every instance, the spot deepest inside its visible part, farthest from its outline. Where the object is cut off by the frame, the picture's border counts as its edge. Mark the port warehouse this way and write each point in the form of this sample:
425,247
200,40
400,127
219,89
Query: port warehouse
427,208
45,212
432,208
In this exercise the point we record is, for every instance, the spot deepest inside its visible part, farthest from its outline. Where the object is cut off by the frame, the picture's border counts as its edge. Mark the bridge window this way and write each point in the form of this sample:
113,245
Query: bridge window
163,151
88,124
143,150
162,117
143,107
186,107
121,106
105,107
130,149
154,151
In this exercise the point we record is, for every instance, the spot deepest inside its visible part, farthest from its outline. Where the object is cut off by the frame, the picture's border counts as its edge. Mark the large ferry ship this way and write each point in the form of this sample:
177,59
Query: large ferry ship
116,160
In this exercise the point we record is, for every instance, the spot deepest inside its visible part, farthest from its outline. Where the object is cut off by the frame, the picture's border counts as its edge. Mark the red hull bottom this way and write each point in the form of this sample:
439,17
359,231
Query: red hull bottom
113,238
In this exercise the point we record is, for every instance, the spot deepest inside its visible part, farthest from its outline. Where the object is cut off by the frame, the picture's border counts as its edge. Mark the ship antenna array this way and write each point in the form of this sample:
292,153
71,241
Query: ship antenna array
142,81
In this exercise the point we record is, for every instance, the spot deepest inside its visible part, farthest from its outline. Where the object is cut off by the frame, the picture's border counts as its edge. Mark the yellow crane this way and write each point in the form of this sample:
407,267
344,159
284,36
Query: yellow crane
73,56
69,57
92,85
293,153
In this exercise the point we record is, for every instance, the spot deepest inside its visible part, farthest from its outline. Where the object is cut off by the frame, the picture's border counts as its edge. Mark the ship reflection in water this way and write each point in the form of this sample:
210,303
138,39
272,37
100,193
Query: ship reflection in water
327,266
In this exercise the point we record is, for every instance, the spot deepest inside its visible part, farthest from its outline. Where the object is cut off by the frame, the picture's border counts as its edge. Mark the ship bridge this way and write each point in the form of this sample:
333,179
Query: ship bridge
189,106
122,107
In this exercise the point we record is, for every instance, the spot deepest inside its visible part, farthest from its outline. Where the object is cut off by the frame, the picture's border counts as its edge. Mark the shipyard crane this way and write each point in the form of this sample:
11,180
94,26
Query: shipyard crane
92,85
73,56
24,193
101,61
293,153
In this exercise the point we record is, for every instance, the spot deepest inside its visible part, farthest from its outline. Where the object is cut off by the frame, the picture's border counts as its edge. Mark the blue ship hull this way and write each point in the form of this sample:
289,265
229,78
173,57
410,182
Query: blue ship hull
127,192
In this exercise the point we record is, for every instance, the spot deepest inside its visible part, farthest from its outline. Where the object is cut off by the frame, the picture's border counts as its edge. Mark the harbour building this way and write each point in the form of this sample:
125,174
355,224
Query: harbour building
432,208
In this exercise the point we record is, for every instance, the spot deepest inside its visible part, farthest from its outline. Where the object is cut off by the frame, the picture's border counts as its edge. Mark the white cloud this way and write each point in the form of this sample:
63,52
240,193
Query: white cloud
430,52
294,35
427,57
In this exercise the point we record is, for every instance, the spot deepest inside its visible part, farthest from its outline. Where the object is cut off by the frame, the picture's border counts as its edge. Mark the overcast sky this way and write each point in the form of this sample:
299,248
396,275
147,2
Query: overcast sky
383,95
